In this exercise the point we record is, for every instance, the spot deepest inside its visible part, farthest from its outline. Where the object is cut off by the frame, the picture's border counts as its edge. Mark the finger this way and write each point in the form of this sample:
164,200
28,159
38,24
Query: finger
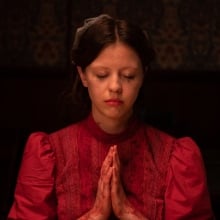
107,163
108,158
105,183
117,156
108,176
115,178
116,160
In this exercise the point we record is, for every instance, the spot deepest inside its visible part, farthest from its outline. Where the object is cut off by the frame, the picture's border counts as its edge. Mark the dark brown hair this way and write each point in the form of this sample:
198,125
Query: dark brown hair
96,34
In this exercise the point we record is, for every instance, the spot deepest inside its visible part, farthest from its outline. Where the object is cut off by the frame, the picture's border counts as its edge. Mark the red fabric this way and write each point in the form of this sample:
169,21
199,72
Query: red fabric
43,187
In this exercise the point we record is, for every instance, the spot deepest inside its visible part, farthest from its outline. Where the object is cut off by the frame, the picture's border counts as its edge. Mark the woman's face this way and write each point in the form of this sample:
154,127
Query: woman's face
113,80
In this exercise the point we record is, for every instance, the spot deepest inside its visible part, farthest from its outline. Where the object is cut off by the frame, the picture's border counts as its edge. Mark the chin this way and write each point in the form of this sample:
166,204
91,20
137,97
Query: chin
117,115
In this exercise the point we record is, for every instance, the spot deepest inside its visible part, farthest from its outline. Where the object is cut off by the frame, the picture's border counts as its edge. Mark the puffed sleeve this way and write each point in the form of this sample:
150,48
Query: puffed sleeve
187,196
34,196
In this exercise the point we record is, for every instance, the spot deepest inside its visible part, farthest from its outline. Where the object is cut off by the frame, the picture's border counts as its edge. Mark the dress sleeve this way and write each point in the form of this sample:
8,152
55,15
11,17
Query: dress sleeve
187,196
34,196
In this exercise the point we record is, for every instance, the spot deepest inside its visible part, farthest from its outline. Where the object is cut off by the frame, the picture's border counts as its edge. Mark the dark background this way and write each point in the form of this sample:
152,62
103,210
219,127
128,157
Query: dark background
183,89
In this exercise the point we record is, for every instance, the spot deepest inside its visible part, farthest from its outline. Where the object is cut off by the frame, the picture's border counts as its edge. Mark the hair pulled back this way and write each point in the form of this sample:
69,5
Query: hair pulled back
96,34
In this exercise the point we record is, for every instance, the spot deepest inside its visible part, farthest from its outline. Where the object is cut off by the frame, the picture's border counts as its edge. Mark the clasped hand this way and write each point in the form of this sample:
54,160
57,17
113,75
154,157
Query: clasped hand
110,194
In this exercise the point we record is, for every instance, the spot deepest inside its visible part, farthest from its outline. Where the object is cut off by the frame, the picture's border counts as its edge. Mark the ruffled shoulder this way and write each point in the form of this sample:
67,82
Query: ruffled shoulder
187,193
34,196
186,153
38,158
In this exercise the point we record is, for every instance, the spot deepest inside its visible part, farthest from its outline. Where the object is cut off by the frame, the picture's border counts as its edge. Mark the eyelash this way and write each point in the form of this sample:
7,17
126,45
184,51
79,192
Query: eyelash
101,76
127,77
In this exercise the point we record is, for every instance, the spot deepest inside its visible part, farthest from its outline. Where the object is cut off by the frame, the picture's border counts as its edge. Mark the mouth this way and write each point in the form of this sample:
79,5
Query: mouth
114,102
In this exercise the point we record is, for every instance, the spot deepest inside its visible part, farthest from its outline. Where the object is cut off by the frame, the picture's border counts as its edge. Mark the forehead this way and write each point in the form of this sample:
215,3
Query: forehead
117,55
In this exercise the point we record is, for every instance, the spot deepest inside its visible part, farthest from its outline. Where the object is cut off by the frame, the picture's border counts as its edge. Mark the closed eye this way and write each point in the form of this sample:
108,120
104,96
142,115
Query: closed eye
101,76
129,77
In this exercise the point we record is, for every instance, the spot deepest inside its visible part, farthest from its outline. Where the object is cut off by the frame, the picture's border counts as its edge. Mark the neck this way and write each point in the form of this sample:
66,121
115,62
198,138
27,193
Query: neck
112,125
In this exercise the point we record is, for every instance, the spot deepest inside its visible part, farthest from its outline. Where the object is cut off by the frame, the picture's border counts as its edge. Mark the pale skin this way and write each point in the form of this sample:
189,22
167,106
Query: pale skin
110,195
113,80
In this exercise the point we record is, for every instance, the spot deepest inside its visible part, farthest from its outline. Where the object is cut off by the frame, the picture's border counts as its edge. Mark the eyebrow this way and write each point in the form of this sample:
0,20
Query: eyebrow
122,69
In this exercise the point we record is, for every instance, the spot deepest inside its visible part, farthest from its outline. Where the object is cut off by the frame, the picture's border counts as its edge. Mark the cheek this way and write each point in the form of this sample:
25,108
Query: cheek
136,87
137,90
132,92
95,91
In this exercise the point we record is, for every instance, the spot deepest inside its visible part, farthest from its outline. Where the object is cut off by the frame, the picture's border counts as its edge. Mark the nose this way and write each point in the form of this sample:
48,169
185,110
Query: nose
115,84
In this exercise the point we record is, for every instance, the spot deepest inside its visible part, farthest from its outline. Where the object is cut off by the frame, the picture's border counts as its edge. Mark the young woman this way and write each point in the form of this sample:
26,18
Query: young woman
110,165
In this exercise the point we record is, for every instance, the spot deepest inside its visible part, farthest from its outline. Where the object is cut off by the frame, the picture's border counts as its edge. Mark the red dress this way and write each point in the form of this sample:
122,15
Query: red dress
163,177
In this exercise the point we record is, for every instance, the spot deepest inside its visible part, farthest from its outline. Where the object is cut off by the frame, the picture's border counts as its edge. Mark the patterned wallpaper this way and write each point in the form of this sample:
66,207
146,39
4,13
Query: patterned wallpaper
33,33
38,33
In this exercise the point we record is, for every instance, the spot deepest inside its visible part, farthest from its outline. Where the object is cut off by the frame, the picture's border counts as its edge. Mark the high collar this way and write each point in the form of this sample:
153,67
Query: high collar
111,139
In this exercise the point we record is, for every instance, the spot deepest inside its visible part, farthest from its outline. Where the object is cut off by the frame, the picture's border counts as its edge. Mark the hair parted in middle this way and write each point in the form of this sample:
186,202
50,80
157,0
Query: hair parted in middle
96,34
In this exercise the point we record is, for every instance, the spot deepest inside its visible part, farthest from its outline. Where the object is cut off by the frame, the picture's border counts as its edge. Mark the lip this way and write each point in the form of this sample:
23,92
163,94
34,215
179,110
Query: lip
114,102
